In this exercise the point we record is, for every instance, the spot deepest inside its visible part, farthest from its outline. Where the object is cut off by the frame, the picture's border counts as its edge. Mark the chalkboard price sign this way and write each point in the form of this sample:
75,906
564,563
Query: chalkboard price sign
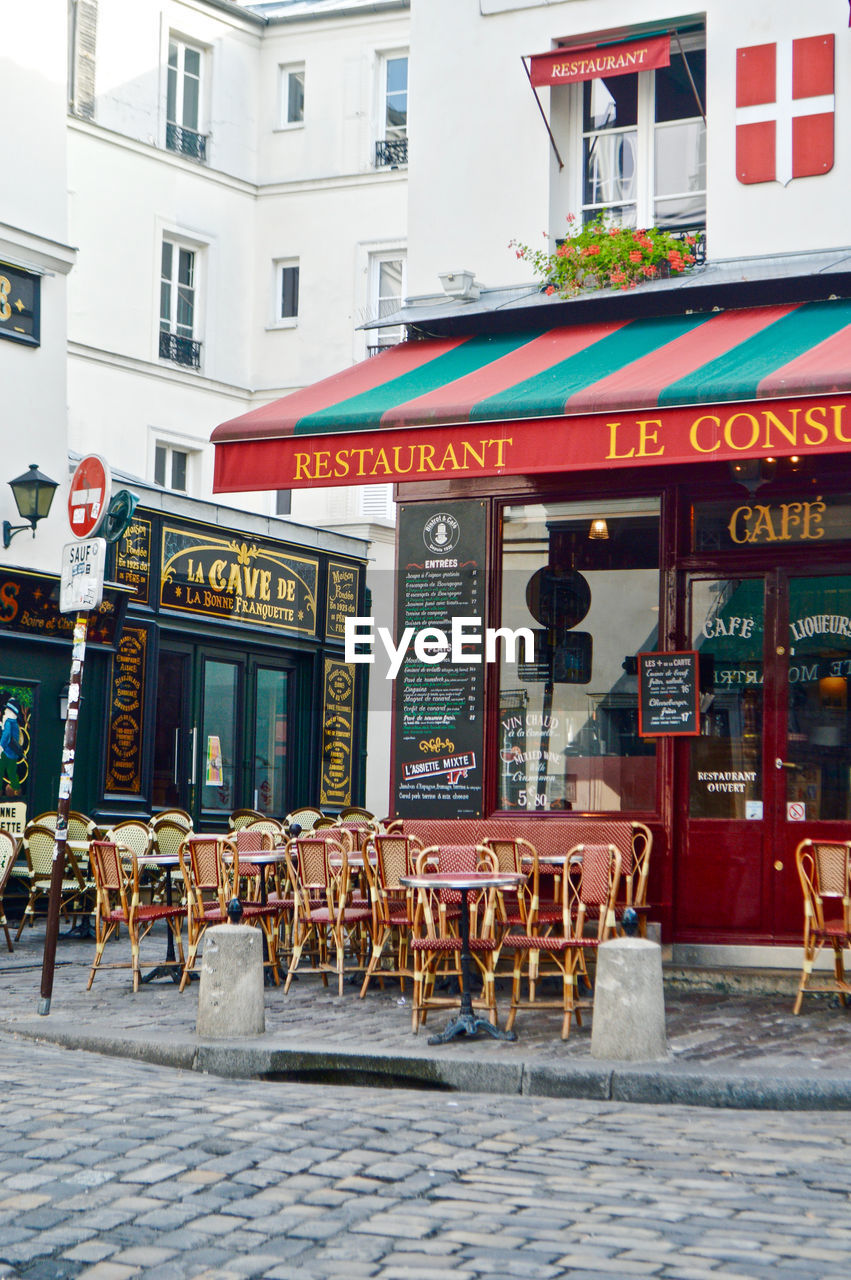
668,694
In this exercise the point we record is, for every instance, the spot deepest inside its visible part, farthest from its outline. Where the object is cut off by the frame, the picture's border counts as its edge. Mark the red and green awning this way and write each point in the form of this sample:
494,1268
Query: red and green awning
588,396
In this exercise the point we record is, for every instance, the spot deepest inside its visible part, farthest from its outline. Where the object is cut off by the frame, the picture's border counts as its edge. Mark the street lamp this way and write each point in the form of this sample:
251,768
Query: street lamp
33,495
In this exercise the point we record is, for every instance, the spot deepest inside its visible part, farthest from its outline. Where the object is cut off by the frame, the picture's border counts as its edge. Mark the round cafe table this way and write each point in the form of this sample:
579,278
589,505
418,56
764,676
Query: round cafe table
467,1022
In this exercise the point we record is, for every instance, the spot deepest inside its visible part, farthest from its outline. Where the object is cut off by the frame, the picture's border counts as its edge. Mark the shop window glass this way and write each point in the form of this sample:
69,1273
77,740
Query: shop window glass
218,761
270,741
585,579
819,733
644,145
727,629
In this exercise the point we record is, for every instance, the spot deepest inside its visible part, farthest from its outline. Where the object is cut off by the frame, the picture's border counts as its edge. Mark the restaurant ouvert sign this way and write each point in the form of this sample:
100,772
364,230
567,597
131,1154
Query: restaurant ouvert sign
524,446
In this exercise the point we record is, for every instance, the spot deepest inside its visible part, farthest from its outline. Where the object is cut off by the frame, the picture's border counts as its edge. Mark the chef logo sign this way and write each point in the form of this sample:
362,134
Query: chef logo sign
441,533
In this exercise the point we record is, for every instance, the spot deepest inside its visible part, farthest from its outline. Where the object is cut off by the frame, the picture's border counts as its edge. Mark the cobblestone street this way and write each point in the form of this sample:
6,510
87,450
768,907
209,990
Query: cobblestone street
111,1169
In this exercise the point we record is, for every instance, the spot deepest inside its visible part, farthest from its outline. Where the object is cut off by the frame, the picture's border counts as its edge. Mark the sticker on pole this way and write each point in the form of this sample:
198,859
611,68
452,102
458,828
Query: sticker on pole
88,501
81,583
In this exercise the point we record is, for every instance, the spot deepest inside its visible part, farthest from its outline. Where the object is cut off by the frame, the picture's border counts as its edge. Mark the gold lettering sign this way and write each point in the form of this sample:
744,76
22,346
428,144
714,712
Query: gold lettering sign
349,465
126,706
239,578
338,721
133,559
341,600
806,519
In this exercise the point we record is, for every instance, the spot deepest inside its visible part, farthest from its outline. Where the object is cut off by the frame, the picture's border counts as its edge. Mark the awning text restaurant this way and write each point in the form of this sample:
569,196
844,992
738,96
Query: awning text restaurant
672,476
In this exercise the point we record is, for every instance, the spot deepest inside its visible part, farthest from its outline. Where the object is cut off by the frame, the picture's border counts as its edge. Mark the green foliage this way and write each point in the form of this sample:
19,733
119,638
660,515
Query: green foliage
601,255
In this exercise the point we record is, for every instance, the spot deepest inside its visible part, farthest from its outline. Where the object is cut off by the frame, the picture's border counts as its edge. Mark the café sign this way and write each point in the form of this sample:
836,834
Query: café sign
242,579
804,518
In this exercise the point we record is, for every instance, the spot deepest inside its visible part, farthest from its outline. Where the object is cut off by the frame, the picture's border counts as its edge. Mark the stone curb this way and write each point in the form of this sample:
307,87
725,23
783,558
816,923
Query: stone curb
648,1083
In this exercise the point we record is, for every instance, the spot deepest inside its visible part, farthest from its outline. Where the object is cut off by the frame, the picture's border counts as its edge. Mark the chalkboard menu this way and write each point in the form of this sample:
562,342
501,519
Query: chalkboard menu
439,729
668,694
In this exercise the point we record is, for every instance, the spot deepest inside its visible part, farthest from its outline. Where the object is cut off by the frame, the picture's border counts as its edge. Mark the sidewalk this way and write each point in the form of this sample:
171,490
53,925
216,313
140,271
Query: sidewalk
728,1050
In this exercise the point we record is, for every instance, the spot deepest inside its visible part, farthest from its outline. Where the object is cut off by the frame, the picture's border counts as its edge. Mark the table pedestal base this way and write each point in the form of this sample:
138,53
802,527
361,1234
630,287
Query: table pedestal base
470,1024
82,930
173,971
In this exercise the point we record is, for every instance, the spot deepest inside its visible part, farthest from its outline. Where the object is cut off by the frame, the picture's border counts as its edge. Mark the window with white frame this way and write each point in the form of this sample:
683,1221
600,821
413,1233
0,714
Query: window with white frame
172,466
178,305
292,95
183,100
644,144
286,291
387,283
391,148
283,502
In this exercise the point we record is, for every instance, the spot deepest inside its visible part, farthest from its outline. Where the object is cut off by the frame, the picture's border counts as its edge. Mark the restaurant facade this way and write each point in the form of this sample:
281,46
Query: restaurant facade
214,677
663,473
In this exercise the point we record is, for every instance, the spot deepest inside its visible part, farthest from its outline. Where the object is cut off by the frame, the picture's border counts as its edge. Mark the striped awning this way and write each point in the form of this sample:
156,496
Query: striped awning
574,383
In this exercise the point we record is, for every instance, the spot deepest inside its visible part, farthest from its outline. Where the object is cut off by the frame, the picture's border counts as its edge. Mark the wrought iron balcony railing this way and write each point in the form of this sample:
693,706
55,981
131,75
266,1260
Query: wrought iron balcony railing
391,153
186,141
185,351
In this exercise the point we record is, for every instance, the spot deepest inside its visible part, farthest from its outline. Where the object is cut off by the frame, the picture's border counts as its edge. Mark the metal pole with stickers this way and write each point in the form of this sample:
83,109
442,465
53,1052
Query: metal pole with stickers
90,509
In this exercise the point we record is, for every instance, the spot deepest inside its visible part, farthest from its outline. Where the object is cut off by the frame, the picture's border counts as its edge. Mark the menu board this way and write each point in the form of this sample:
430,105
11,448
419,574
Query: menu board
439,706
668,694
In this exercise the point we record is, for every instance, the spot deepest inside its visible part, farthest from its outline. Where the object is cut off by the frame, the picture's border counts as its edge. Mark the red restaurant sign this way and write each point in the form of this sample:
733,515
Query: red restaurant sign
569,66
526,446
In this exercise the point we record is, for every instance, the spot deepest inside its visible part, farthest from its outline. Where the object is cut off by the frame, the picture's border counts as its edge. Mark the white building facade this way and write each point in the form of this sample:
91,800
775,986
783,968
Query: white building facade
653,156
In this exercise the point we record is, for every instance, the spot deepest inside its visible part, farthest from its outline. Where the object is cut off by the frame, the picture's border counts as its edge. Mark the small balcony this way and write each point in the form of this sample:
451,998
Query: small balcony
392,153
184,351
186,142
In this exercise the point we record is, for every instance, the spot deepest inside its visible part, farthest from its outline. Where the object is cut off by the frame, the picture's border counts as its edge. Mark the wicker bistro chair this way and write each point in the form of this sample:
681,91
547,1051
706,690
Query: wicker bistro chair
306,817
592,886
168,838
241,818
178,816
436,941
207,886
39,843
318,868
522,909
824,868
248,840
211,871
392,904
635,872
135,836
9,846
118,903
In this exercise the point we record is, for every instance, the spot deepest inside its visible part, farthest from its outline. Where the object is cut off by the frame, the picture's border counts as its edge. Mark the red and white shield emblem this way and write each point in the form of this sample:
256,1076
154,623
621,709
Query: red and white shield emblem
784,110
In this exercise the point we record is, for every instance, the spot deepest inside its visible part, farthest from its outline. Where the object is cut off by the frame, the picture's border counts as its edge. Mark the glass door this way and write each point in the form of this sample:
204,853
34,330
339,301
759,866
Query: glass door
218,747
772,762
813,760
721,895
172,769
270,774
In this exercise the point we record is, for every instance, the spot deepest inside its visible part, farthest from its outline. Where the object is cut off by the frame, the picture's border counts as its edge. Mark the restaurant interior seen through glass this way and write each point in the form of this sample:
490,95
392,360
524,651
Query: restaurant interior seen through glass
584,577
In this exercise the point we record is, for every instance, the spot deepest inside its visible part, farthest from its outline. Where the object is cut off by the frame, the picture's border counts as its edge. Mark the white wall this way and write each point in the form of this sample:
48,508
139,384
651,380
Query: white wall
34,234
485,179
318,200
131,62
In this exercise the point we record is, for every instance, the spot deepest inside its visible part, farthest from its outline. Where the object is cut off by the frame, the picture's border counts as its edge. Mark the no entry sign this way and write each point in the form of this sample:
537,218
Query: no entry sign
88,500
